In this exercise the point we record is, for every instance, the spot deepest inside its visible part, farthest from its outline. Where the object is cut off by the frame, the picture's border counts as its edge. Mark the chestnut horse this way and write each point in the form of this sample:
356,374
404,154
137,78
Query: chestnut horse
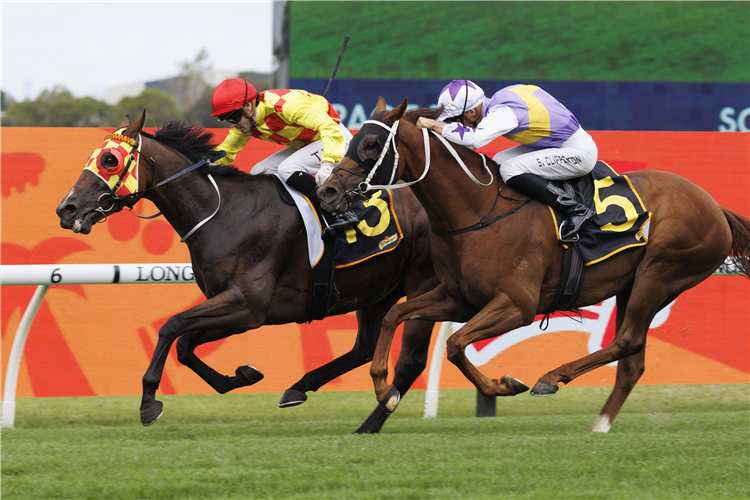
251,262
481,284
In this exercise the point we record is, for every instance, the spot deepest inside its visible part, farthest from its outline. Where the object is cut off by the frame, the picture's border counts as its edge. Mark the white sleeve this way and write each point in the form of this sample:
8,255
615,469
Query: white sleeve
499,121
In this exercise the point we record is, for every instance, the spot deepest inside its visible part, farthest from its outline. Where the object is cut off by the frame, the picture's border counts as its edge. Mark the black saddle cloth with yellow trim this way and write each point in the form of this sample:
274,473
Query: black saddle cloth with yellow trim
621,219
377,231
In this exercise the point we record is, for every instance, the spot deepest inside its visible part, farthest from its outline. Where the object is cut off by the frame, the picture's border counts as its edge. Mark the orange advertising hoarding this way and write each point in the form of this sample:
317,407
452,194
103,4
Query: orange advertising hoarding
98,339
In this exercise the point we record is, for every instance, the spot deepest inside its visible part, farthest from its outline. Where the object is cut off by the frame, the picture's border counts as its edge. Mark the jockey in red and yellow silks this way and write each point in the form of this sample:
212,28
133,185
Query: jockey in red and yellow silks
305,123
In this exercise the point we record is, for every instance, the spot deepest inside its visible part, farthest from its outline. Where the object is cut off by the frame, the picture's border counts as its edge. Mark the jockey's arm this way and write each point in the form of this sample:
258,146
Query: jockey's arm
499,121
233,144
312,117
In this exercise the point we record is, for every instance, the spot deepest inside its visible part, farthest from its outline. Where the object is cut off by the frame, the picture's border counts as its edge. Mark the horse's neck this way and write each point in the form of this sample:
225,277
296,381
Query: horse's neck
190,199
451,199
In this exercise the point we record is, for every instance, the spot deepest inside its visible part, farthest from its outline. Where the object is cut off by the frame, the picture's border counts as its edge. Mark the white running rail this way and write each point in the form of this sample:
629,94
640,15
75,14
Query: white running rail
71,274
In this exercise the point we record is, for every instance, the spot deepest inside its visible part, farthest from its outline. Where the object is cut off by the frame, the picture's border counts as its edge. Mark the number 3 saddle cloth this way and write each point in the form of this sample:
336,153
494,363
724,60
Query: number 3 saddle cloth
378,230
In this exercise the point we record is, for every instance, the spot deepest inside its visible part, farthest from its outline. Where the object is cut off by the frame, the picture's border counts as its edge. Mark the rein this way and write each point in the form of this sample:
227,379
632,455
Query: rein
365,185
481,222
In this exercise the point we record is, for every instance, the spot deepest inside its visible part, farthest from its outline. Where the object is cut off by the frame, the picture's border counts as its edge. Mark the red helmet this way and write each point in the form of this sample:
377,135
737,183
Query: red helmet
230,95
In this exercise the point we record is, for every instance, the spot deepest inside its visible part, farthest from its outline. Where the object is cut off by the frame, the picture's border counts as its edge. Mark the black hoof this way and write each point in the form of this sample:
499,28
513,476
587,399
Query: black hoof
390,402
366,430
250,374
151,413
292,397
517,386
544,388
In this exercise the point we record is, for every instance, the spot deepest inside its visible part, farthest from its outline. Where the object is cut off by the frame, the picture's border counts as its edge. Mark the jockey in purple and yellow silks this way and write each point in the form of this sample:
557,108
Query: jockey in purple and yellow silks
305,123
552,145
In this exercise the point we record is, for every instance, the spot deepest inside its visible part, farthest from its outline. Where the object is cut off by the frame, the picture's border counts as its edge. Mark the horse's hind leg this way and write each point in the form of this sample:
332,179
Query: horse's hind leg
411,363
244,375
652,290
629,371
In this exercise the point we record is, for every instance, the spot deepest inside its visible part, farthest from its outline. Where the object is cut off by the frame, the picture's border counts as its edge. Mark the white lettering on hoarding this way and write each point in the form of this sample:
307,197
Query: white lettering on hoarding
595,324
726,115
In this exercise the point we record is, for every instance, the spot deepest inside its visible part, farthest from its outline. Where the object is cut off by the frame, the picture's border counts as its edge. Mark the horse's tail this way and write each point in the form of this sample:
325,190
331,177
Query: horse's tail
740,227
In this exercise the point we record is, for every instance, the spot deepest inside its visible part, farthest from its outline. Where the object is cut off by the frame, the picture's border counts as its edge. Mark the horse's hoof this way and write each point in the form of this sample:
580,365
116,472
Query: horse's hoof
365,429
515,384
250,374
292,397
544,388
151,413
601,424
390,402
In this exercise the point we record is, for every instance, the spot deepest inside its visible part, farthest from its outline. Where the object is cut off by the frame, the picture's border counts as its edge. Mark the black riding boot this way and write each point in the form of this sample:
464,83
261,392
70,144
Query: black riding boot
305,184
576,214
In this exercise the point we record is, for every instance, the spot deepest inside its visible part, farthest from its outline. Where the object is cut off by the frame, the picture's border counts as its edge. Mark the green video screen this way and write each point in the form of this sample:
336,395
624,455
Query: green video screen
669,41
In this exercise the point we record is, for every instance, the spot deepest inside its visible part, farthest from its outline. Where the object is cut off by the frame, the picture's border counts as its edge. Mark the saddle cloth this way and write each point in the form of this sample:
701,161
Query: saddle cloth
378,230
621,220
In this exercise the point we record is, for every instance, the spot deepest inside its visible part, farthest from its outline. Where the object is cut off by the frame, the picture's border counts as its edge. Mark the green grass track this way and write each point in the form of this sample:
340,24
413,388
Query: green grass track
668,442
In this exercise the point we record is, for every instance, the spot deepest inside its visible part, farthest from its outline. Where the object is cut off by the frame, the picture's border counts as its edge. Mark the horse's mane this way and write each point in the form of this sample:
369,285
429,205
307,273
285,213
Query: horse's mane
414,114
196,144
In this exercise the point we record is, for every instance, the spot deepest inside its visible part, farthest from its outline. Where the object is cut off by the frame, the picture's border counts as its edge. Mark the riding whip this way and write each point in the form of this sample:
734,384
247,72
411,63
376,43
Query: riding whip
336,68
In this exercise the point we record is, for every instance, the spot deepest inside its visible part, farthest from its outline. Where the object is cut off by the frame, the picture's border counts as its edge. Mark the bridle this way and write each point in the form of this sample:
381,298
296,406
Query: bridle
365,186
117,200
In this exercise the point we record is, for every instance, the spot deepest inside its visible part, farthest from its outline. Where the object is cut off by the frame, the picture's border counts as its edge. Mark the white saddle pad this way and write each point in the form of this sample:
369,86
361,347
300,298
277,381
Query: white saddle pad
315,245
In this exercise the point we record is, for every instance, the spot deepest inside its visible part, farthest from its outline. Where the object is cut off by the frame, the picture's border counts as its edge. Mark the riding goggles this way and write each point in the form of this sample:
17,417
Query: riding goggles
234,117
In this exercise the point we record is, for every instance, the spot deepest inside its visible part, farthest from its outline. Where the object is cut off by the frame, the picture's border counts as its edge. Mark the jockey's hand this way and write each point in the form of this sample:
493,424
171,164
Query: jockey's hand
326,168
429,124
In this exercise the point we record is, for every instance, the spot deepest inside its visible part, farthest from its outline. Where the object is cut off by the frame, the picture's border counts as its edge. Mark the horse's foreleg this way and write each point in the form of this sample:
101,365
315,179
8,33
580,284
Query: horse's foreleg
436,305
224,311
411,363
499,316
368,329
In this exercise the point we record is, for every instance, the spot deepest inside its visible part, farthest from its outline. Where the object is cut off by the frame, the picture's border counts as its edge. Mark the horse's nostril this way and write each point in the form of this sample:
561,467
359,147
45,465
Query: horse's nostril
68,209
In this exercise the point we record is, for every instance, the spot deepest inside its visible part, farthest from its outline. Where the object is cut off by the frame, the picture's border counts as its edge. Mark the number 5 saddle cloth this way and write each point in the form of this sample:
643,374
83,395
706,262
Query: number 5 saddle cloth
621,220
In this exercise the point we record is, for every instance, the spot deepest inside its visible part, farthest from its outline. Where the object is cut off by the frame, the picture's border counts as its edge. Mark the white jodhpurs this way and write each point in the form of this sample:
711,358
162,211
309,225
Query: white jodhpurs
575,158
289,160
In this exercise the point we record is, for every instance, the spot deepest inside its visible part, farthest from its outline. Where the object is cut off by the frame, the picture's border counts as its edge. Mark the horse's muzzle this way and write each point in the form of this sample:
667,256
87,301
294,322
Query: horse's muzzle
332,199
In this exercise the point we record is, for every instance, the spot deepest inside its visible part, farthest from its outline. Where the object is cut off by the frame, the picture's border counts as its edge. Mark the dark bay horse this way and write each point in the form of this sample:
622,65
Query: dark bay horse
482,283
251,262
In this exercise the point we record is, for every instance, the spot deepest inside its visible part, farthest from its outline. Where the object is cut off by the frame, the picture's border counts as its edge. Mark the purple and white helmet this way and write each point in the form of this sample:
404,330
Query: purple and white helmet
458,97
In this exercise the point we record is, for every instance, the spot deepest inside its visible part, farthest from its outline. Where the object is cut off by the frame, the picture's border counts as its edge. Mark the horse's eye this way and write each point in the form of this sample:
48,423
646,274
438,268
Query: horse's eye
109,160
371,148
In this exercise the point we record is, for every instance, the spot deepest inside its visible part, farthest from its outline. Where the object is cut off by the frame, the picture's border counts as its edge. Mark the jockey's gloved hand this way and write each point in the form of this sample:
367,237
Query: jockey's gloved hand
324,173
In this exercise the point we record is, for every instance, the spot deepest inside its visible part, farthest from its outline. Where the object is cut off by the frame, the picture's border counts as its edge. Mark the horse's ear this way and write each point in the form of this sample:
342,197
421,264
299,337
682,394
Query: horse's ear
381,106
125,122
396,113
137,126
